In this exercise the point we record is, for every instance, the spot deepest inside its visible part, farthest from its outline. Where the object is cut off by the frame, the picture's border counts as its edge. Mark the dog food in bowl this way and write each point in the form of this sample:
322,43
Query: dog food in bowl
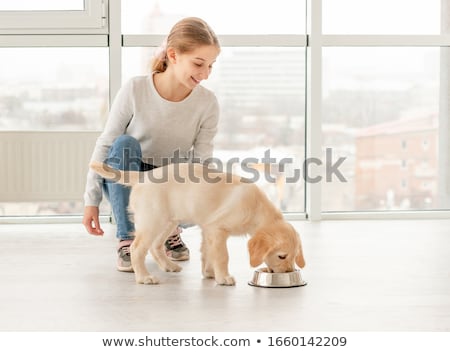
263,278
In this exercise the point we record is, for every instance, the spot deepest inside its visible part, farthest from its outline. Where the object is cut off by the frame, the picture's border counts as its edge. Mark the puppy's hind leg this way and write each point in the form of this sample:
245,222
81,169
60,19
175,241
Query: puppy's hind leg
162,231
139,249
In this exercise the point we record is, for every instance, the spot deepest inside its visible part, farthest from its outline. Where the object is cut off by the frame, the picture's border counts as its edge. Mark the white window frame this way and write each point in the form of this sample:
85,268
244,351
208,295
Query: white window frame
92,19
100,25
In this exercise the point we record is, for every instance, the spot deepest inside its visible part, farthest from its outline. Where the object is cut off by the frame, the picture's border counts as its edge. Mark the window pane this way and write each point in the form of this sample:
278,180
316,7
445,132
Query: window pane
382,16
225,17
386,111
53,88
262,114
41,5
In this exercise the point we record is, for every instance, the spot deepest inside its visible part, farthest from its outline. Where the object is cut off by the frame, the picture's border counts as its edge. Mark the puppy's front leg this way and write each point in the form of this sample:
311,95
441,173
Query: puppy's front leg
218,257
139,250
207,269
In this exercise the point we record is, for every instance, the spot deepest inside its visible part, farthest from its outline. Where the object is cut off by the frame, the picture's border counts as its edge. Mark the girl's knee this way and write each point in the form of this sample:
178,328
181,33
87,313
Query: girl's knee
126,142
125,153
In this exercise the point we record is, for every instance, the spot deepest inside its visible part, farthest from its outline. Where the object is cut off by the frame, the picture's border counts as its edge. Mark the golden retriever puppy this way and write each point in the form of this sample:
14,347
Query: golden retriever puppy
221,204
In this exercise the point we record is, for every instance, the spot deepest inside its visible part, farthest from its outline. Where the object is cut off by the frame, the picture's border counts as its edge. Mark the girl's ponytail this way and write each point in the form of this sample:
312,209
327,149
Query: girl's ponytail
159,61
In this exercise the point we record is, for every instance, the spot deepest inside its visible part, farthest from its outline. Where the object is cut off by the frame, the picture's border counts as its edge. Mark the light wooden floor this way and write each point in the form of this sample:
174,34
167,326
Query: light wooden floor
362,276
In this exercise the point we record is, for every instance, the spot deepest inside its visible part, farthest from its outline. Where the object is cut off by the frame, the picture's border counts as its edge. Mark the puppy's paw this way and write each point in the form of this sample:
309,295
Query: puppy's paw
147,280
207,274
226,281
172,267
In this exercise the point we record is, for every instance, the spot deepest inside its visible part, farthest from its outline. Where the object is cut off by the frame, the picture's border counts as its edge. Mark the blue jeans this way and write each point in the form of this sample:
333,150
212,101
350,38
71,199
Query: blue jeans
125,154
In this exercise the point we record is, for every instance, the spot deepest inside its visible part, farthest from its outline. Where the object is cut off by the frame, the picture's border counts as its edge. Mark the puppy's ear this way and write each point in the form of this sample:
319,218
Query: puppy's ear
258,248
299,259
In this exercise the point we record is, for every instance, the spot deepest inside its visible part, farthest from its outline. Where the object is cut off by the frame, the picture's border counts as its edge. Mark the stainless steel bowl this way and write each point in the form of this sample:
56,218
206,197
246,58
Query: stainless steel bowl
263,278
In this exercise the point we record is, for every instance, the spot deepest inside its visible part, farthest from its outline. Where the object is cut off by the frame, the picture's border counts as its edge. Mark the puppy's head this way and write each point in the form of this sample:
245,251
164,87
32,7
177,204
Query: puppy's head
279,247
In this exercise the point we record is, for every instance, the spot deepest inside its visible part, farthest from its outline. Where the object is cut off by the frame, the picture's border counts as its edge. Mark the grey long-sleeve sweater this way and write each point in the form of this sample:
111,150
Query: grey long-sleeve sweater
162,127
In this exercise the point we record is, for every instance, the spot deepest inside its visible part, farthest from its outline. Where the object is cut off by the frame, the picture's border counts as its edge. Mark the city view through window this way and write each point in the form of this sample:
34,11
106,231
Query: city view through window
382,109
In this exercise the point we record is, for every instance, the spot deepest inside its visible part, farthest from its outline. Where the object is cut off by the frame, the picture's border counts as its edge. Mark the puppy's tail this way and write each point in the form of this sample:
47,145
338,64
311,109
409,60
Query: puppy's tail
127,178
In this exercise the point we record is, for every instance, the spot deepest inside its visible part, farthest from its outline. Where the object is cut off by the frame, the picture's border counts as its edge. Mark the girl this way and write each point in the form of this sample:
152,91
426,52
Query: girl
155,119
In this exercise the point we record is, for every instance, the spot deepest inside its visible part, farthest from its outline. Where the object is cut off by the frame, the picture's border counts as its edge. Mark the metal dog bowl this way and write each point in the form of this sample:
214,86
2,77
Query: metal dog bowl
263,278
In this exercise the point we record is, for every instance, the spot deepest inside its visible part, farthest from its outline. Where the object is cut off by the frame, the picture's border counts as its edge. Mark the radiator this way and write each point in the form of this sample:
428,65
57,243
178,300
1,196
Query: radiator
44,166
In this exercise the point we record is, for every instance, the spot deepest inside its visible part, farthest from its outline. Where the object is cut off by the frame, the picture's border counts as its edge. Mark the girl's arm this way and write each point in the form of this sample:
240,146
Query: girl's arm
121,113
203,144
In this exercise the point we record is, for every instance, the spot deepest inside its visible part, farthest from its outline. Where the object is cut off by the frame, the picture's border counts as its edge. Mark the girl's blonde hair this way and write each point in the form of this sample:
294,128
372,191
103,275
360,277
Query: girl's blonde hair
185,36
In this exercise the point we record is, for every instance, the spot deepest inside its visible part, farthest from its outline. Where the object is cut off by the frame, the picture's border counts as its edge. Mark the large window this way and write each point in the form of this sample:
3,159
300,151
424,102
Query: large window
381,110
53,98
42,5
359,84
262,113
50,89
53,88
384,104
51,16
225,17
259,81
382,16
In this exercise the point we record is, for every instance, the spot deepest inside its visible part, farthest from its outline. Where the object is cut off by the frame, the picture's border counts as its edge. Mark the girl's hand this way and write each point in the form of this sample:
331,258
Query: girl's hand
91,221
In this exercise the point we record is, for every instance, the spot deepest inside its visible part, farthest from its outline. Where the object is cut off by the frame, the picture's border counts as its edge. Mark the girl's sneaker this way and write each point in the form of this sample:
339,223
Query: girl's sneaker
175,247
124,257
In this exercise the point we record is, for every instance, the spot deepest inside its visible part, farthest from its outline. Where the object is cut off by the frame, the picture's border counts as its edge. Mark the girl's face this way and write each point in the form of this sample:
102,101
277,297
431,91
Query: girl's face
195,66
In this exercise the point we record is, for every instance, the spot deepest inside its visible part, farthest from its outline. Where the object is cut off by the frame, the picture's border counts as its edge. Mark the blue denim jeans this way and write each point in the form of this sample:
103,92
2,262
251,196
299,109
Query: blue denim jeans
125,154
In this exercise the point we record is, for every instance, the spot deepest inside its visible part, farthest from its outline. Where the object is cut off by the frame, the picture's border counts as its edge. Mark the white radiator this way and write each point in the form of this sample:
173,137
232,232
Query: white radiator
44,166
